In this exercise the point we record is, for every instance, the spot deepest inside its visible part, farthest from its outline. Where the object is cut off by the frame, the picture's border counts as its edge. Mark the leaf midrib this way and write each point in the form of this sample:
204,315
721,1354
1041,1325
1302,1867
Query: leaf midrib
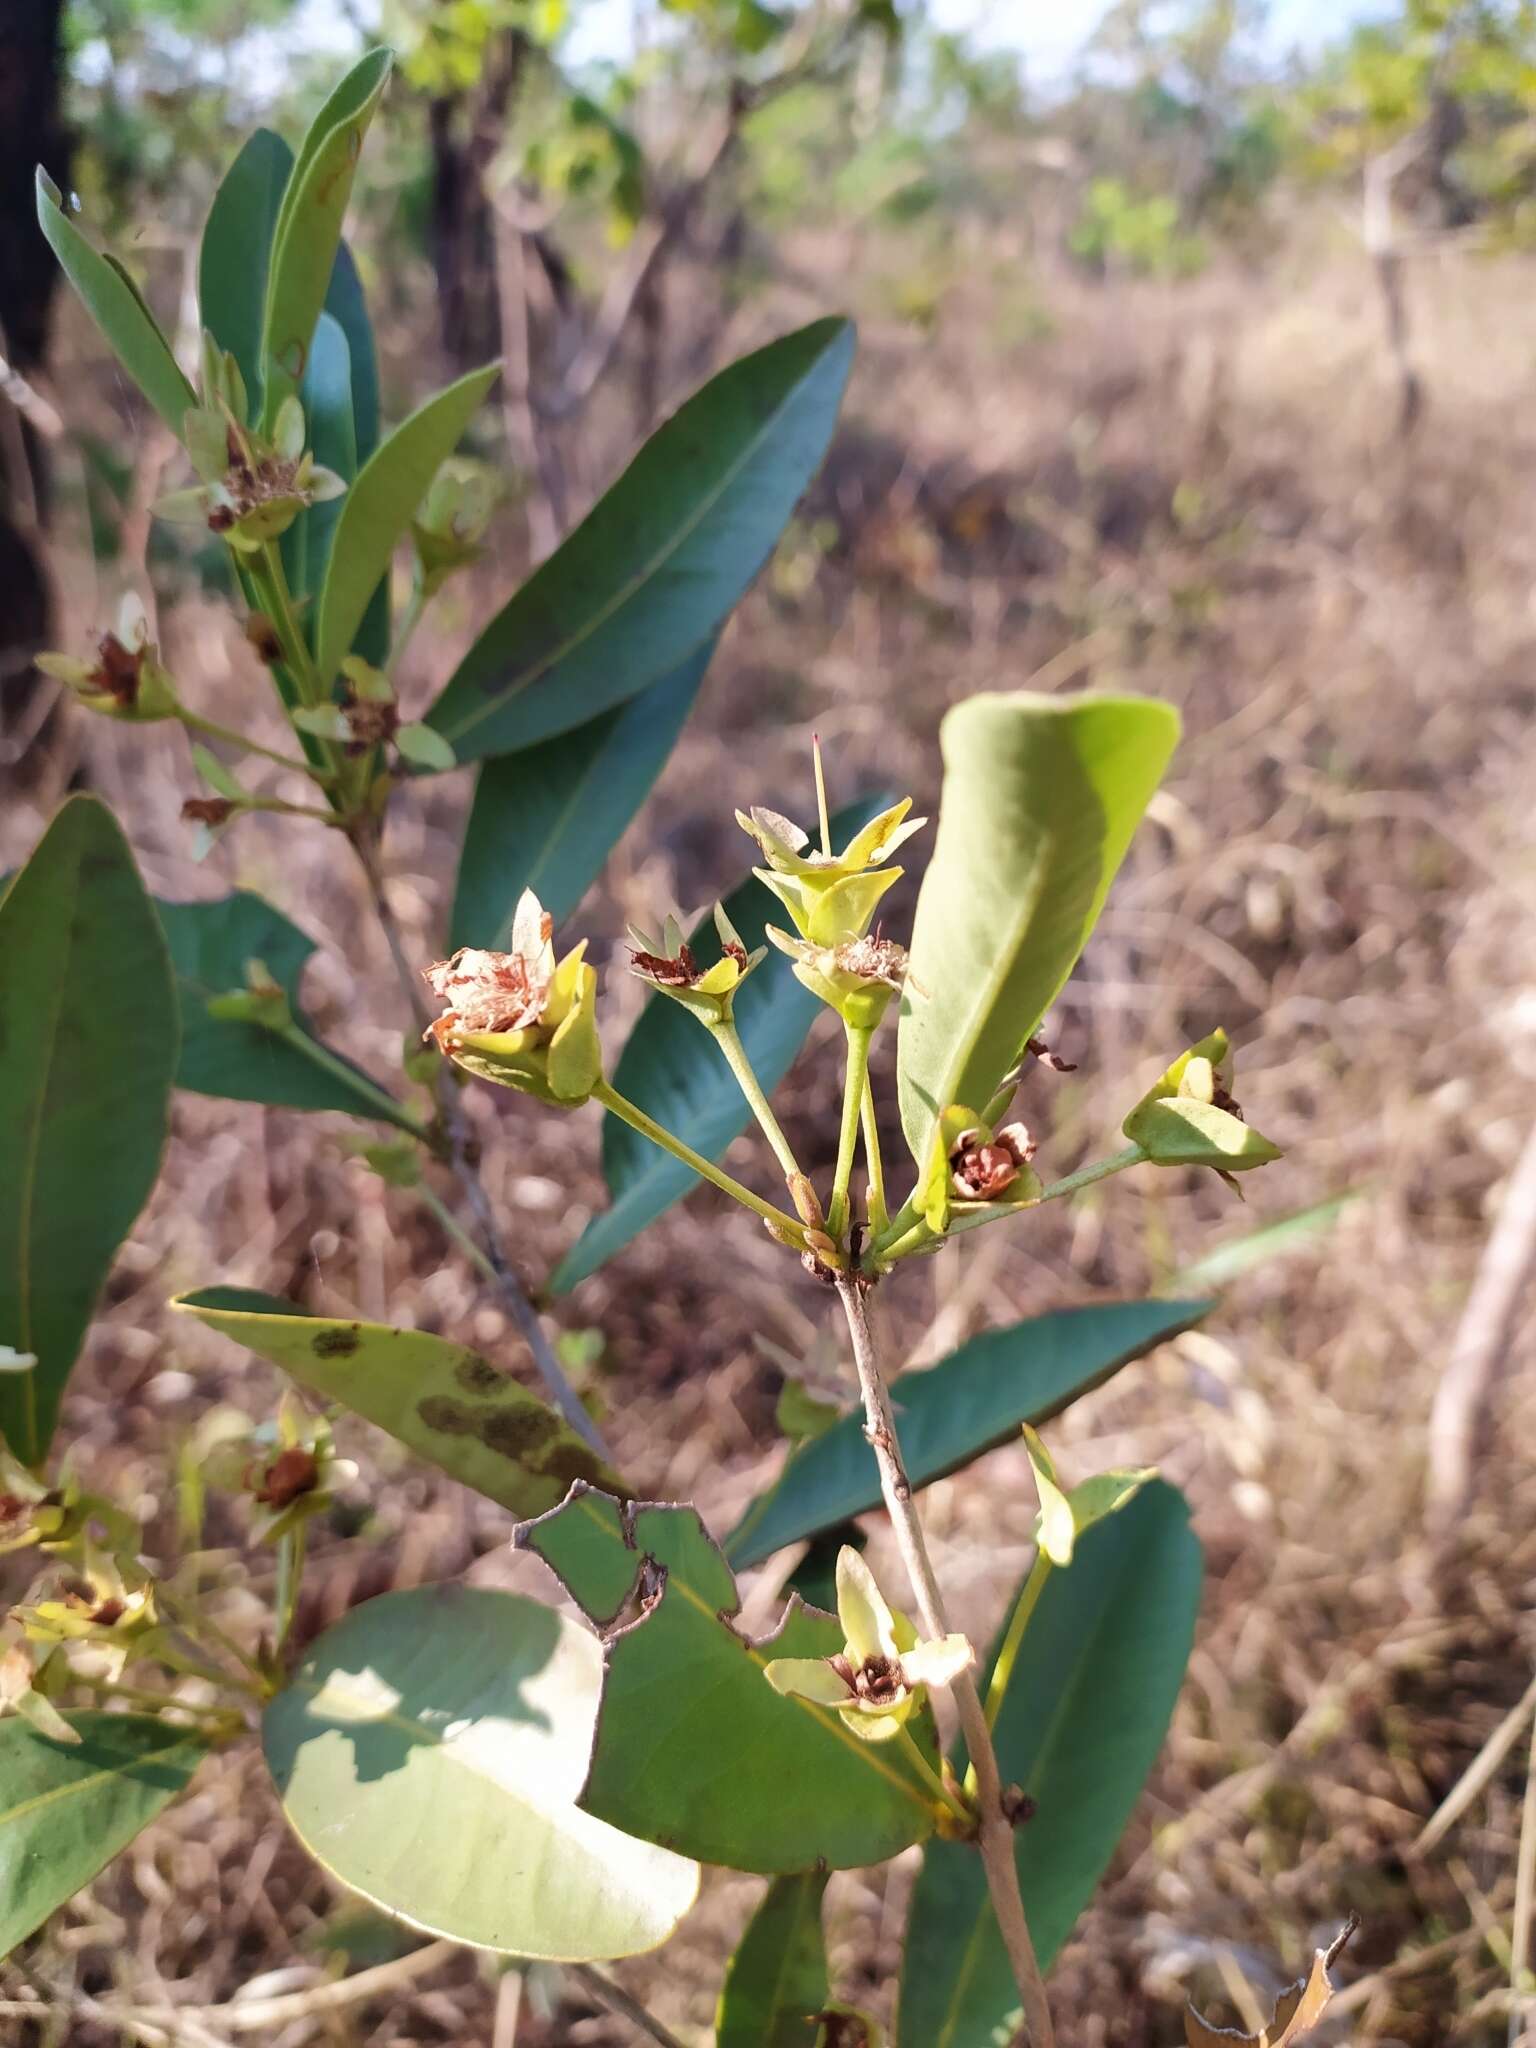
648,569
72,1786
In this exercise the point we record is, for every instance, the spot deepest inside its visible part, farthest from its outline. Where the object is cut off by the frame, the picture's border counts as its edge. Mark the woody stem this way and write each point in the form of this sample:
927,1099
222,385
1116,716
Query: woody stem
848,1137
630,1113
996,1833
728,1039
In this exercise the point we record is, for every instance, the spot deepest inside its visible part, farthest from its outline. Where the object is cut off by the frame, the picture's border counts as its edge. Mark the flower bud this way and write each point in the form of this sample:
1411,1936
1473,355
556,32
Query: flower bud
521,1018
454,515
1189,1116
263,1001
253,489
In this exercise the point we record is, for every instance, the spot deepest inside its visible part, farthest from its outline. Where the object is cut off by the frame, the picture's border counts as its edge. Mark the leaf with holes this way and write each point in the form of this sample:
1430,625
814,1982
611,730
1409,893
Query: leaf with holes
694,1748
88,1028
444,1402
428,1752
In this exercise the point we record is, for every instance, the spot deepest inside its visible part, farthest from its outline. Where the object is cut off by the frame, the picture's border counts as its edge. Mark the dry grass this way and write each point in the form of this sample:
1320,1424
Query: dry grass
1193,493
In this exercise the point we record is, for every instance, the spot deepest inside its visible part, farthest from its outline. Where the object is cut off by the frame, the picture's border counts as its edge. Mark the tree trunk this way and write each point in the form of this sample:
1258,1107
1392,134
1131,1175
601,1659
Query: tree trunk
31,132
465,130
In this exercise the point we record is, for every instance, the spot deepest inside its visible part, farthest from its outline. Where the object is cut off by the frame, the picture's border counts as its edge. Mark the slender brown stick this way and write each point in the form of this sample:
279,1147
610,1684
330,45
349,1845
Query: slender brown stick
618,2000
996,1831
522,1311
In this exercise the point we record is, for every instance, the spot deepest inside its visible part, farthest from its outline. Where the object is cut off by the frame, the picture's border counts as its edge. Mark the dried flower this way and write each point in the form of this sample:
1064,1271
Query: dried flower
879,1676
521,1018
1189,1116
126,679
253,489
668,964
108,1600
830,897
975,1170
856,977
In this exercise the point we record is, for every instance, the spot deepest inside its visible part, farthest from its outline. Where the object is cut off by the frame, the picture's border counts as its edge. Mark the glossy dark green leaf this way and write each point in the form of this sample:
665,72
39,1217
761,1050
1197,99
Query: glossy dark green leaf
428,1753
546,819
85,1081
377,510
672,1071
211,946
118,310
655,567
777,1980
66,1809
444,1402
1041,797
349,309
308,231
331,435
694,1748
237,252
968,1403
1081,1724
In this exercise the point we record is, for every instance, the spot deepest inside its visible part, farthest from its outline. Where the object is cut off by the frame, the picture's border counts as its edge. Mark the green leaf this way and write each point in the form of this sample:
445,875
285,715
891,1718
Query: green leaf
1080,1727
694,1748
672,1071
1273,1241
447,1404
237,252
1041,797
309,228
348,307
88,1031
777,1980
968,1403
332,436
118,310
67,1809
428,1753
655,567
378,508
548,818
211,945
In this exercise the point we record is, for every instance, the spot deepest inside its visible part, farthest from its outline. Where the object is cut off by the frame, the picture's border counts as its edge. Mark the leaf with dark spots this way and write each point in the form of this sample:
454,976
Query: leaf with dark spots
441,1400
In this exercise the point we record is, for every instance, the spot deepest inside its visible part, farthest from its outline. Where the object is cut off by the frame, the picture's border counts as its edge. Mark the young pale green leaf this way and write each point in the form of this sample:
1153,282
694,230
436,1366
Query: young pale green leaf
118,310
308,229
1041,797
428,1754
67,1809
378,508
655,567
211,946
695,1748
447,1404
84,1095
236,252
1082,1719
548,818
672,1071
1055,1531
970,1402
776,1982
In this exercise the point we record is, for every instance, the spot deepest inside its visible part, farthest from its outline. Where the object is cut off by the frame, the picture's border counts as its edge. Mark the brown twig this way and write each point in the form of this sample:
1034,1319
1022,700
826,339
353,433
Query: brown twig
996,1831
618,2000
